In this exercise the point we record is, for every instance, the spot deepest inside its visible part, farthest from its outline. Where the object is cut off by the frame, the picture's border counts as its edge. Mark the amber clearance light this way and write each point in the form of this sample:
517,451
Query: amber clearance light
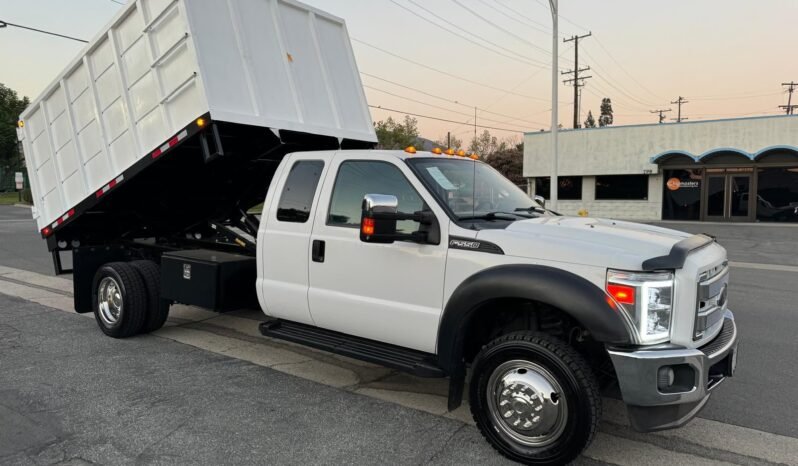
367,226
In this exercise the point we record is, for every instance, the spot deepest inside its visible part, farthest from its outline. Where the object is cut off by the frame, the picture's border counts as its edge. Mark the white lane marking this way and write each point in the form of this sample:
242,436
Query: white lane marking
771,267
16,221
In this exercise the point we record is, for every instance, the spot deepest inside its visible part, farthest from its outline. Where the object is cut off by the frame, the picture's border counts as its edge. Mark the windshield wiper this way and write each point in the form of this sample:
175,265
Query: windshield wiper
531,209
496,216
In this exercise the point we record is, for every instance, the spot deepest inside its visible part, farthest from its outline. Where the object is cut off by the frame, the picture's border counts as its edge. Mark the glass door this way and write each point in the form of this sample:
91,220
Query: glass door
716,197
728,197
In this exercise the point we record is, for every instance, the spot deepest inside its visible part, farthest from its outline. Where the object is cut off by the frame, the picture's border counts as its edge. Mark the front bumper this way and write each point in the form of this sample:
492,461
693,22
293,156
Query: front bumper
666,388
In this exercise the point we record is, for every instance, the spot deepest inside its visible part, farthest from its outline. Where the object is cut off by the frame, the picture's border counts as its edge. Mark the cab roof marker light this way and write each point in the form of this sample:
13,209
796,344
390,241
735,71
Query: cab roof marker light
437,151
410,149
450,151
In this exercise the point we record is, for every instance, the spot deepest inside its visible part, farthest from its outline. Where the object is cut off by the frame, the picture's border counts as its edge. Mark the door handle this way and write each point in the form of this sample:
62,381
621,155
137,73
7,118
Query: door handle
317,253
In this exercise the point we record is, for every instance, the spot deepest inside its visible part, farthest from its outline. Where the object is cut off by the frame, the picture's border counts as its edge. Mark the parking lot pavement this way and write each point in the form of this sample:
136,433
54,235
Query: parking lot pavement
208,388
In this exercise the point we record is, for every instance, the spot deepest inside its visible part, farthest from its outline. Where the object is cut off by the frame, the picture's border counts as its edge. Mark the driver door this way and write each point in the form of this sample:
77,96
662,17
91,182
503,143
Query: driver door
387,292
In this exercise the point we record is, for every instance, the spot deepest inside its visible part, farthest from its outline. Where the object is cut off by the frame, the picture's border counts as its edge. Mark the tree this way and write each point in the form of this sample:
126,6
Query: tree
590,122
10,108
394,135
510,163
486,145
606,112
455,143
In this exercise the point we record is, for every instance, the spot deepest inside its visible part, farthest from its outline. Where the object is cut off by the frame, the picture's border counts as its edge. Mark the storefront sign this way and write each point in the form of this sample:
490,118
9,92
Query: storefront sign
676,184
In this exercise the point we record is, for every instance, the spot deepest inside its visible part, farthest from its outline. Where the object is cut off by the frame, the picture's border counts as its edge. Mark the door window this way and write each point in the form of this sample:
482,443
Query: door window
359,177
299,190
716,195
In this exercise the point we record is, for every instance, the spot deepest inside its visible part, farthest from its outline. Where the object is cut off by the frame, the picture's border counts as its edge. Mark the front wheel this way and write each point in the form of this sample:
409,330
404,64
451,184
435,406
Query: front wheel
534,398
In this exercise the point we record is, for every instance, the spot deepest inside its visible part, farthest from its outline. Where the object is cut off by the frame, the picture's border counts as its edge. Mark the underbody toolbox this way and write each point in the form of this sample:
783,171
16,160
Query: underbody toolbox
215,280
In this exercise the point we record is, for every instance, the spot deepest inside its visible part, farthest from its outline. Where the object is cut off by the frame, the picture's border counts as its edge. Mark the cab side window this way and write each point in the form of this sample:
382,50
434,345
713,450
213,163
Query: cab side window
360,177
296,199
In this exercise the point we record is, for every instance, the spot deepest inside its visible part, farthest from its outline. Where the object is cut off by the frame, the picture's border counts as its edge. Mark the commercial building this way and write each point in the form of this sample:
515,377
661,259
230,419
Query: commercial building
742,169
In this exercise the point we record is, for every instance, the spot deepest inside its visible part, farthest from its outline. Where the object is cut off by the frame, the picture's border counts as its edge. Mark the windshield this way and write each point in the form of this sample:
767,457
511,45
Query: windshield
474,190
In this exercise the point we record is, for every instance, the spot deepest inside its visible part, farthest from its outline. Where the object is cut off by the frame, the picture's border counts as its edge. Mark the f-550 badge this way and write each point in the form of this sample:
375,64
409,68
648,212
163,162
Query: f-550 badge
469,244
462,244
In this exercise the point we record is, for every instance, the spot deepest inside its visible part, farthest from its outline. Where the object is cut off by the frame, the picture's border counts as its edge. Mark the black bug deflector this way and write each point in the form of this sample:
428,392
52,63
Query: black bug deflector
678,254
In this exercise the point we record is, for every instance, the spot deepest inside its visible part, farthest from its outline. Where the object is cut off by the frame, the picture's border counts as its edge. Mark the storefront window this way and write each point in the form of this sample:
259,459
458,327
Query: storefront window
570,188
681,199
777,195
626,187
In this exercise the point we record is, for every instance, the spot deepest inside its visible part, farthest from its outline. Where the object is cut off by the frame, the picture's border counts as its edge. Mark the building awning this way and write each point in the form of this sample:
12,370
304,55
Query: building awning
751,156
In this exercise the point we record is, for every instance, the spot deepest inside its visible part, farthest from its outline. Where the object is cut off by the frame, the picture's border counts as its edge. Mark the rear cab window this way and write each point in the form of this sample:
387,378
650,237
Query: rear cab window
296,199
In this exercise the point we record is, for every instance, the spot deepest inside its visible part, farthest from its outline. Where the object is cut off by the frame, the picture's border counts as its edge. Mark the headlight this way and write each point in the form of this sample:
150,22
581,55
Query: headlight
646,301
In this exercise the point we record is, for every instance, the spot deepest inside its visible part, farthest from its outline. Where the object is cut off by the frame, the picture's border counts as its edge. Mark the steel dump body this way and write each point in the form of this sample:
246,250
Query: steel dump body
261,74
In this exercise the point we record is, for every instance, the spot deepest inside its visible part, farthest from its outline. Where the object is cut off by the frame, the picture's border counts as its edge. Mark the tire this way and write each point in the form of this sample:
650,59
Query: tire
120,300
157,308
508,376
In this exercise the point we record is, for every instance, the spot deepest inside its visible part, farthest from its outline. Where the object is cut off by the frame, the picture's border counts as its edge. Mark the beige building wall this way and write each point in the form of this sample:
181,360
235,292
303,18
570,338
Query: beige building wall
629,149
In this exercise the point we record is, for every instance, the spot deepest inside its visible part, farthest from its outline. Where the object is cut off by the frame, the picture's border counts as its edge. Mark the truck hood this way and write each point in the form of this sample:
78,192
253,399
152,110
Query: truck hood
588,241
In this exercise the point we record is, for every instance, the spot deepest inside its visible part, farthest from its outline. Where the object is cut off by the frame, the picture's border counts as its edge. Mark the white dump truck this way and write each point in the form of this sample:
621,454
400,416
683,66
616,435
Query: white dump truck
148,153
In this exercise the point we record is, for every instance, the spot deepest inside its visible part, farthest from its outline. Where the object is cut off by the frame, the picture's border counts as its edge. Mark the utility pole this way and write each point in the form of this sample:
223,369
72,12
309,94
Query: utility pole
790,89
576,79
680,101
554,182
475,126
661,114
448,139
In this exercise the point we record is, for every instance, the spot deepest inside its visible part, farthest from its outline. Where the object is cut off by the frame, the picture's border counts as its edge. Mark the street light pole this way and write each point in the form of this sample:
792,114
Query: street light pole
554,108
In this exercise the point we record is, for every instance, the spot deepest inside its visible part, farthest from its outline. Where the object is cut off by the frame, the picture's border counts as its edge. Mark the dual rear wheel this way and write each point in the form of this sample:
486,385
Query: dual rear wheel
127,299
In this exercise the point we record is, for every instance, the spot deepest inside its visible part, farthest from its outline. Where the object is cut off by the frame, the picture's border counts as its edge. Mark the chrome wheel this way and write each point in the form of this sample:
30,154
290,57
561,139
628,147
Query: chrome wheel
527,403
109,301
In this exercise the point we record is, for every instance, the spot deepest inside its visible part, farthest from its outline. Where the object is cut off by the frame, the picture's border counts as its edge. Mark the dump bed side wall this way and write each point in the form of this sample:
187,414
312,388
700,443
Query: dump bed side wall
132,88
279,64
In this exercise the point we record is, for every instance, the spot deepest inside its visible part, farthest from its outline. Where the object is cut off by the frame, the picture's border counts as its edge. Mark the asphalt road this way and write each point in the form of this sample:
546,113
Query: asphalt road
75,394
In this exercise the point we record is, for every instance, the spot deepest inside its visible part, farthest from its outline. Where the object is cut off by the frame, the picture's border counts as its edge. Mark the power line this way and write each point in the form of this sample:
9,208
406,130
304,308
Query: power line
514,18
518,57
496,26
451,75
6,23
443,119
661,114
521,15
433,105
680,101
606,51
118,2
452,101
738,97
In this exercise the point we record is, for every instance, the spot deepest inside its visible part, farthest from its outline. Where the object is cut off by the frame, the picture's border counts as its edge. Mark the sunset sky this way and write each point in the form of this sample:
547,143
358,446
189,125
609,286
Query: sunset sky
728,58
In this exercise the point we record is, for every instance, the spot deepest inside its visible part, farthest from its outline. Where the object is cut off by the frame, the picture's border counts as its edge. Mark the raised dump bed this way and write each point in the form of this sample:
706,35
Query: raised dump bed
172,114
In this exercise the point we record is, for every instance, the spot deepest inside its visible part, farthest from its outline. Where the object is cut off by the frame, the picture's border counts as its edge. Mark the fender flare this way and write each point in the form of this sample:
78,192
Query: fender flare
570,293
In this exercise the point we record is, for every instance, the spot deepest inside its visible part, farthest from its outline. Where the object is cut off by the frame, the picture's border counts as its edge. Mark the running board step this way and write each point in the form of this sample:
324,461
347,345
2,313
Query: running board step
407,360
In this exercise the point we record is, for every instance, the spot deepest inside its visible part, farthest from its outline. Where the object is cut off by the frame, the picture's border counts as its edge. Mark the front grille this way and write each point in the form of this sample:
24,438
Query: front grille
721,341
712,294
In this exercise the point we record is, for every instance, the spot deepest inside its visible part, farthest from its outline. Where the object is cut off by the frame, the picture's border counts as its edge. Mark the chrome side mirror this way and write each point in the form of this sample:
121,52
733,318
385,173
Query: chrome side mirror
378,218
540,200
